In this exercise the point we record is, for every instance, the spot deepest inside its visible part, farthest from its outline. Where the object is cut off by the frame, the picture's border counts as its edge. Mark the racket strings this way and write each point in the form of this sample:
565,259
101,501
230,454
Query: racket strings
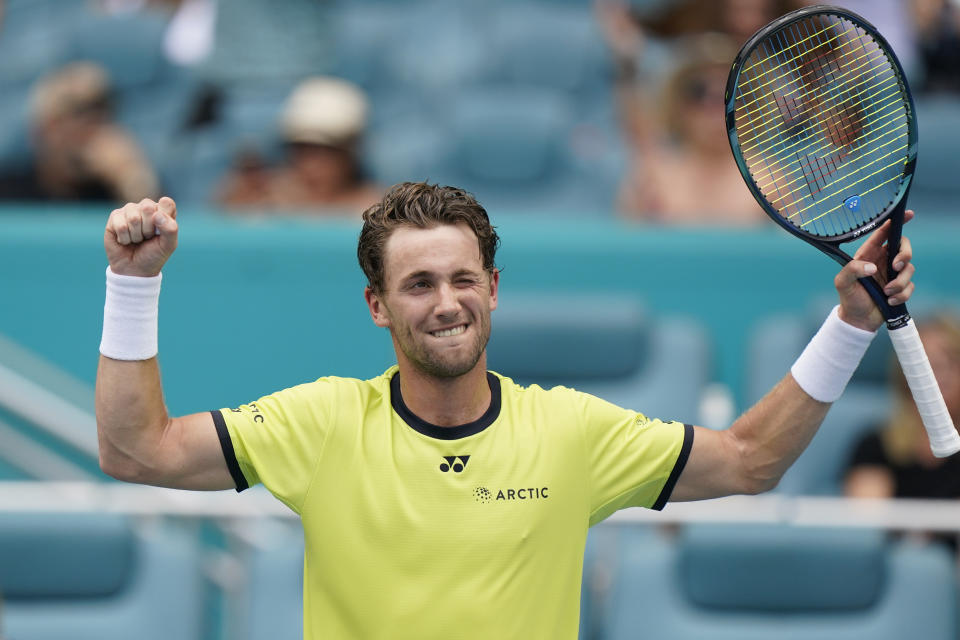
862,138
787,73
832,126
763,115
893,91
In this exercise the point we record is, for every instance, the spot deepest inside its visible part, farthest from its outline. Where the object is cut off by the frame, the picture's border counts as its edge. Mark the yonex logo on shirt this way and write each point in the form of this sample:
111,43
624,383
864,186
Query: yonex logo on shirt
457,463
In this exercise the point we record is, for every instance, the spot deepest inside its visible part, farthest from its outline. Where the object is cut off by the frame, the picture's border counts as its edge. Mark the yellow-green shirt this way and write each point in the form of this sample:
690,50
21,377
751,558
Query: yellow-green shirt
476,531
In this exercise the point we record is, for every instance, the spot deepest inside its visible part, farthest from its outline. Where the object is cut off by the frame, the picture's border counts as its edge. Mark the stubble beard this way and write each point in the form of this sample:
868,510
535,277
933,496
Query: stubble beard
431,361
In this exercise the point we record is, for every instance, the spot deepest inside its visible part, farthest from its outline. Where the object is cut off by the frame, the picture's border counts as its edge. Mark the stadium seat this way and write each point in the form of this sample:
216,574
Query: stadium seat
269,604
605,345
752,582
128,46
32,39
96,576
557,47
514,146
935,186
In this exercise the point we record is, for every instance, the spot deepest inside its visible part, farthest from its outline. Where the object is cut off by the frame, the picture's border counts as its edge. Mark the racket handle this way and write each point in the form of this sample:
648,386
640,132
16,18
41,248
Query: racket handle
944,439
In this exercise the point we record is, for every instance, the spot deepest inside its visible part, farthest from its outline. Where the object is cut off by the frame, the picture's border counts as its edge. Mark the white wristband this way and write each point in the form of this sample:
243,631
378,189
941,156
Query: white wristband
130,317
829,360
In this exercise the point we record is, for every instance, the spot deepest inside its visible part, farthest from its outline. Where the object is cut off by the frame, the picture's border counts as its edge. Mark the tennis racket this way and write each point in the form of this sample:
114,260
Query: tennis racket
822,126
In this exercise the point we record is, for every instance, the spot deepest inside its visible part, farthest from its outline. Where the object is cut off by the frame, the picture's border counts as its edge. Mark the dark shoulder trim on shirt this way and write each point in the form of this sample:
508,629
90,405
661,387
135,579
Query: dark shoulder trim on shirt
228,453
447,433
677,469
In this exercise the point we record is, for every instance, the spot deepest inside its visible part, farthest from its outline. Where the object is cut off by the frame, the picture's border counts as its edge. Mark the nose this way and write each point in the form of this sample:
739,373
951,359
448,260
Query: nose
448,304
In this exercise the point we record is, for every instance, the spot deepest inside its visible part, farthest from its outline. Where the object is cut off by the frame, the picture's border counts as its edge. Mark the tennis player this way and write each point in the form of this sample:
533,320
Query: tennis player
440,499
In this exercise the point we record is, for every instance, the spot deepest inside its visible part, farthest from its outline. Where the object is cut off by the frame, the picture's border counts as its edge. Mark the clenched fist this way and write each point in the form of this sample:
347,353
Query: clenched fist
140,237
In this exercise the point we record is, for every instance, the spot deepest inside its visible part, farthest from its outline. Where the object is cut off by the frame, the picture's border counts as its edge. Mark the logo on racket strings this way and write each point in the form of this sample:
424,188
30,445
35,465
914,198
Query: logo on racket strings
852,204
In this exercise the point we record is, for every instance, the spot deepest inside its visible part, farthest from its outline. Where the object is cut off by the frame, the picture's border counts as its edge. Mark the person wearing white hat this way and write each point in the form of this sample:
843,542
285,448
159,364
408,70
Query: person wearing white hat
322,124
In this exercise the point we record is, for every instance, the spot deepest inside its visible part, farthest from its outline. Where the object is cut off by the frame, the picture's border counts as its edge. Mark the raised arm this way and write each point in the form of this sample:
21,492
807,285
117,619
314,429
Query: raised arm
139,440
754,453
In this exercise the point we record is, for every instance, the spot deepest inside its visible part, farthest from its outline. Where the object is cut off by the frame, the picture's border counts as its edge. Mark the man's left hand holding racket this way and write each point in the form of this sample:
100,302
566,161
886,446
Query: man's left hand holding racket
856,306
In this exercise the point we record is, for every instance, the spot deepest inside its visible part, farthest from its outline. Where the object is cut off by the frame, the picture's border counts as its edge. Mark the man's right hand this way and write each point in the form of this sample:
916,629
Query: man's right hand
140,237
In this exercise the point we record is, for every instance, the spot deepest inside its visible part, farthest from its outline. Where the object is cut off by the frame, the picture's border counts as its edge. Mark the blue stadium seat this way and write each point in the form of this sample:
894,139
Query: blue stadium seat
269,605
513,147
935,187
752,582
15,151
98,577
33,39
129,46
605,345
550,46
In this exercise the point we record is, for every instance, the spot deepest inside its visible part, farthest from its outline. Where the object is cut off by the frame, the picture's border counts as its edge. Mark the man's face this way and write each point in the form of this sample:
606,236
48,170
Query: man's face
437,299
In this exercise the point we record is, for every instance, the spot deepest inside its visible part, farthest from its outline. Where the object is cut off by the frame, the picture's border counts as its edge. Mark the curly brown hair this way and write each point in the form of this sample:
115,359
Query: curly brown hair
422,205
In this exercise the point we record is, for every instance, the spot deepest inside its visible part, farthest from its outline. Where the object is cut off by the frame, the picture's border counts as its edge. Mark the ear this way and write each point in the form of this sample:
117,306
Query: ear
378,310
494,288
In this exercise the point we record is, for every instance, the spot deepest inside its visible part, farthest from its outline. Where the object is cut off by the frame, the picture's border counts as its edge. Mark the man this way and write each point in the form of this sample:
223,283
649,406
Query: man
439,499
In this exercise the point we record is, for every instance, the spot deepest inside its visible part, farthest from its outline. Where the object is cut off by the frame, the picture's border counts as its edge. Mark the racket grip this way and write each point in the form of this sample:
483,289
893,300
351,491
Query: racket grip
944,439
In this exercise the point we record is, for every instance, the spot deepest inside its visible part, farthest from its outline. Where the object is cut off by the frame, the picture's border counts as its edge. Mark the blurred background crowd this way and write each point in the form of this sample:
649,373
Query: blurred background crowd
606,112
314,106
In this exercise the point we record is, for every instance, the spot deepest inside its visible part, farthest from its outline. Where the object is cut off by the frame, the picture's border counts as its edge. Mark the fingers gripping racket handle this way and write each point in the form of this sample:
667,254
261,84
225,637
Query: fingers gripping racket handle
944,439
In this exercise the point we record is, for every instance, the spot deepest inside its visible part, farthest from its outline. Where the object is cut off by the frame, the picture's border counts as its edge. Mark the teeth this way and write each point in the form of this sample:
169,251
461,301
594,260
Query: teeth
450,332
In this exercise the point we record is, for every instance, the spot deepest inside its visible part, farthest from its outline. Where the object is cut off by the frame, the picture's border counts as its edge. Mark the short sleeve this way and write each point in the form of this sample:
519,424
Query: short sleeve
634,461
278,439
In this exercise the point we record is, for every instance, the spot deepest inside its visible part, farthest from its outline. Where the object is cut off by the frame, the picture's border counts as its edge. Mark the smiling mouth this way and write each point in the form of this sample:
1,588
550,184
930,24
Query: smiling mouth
446,333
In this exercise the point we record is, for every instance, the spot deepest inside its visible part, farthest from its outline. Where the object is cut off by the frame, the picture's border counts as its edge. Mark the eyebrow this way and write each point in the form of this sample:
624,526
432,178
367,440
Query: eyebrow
423,273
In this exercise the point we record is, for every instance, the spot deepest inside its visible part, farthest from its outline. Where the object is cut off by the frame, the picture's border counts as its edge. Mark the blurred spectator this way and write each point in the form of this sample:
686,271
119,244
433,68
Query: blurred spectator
681,170
647,39
79,152
322,124
938,33
672,62
895,459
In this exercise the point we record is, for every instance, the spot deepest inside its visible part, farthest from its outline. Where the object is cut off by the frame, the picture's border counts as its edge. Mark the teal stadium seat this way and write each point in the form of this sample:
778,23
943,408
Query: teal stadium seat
514,145
558,47
269,605
935,187
90,576
606,345
753,582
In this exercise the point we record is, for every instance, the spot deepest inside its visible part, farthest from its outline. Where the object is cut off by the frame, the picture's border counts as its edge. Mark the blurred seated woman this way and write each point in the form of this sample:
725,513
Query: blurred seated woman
79,151
681,170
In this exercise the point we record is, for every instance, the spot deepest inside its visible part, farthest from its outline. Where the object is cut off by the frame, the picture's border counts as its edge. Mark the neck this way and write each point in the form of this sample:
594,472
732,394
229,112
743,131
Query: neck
446,402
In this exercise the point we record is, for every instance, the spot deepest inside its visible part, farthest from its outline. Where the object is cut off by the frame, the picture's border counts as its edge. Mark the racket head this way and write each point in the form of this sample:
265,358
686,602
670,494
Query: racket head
822,125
